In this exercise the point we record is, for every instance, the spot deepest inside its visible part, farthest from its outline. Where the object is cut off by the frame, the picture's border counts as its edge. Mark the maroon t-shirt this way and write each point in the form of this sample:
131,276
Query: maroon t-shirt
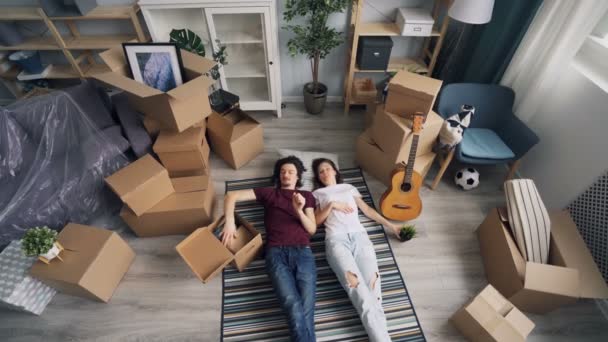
283,226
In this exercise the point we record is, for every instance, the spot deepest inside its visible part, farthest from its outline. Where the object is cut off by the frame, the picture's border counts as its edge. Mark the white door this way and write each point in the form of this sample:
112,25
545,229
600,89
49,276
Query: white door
250,71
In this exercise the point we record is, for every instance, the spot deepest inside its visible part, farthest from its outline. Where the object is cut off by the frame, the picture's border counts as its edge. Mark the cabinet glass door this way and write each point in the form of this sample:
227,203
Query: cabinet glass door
166,19
248,73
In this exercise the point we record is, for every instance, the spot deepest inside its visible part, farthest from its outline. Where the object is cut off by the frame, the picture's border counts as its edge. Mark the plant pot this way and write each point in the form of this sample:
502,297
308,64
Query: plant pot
52,253
28,61
406,235
315,103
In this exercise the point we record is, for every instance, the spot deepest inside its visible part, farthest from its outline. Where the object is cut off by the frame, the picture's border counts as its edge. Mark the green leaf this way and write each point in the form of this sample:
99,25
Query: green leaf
187,40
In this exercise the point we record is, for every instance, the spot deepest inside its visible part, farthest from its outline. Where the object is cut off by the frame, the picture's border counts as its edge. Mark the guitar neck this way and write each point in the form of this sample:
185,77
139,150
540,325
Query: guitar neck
411,160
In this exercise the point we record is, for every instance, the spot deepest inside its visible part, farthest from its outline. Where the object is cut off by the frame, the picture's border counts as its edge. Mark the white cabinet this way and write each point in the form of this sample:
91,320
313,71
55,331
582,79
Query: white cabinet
249,31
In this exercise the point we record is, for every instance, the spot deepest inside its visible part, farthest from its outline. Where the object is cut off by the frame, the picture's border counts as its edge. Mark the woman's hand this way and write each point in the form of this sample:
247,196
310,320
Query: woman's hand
342,207
396,228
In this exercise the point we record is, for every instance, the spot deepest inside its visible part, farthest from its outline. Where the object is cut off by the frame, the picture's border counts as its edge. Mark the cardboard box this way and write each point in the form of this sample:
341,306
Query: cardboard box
491,317
539,288
409,93
380,165
370,113
364,90
177,109
184,154
181,213
235,136
393,134
152,126
141,184
94,262
207,256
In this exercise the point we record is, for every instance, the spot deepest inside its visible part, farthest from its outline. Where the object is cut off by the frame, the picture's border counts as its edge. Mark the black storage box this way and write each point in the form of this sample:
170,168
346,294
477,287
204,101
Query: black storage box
222,101
373,53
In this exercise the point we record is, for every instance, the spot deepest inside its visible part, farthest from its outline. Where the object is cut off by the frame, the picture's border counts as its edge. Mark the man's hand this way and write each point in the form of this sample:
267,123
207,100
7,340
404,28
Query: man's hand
229,232
342,207
298,201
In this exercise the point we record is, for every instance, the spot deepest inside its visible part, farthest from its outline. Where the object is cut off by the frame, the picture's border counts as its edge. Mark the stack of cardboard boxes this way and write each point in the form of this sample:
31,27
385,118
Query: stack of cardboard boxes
156,205
387,142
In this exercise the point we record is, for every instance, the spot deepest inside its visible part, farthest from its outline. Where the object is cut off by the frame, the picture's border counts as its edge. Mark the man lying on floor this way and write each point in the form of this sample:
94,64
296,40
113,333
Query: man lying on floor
289,219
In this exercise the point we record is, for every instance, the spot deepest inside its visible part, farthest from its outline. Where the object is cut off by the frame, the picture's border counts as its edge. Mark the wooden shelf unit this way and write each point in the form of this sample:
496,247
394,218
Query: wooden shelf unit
422,64
75,41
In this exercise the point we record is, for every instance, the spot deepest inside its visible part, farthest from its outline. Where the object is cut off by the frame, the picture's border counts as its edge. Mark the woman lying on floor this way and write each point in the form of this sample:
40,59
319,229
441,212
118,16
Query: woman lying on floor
350,253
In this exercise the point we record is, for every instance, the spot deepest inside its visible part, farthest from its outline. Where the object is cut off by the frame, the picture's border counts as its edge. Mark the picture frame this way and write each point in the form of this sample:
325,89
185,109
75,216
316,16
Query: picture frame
157,65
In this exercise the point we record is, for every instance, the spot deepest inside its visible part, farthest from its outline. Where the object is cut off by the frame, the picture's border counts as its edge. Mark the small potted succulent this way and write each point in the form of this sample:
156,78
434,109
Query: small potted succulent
42,242
407,232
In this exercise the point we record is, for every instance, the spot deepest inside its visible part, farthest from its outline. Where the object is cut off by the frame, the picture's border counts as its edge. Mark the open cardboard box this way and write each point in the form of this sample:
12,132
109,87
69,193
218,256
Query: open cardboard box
409,93
393,133
184,154
141,184
94,262
571,272
190,207
177,109
235,136
207,256
381,165
491,317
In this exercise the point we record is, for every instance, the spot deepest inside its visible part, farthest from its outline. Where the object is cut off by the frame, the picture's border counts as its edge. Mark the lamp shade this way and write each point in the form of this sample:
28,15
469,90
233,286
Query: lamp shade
472,11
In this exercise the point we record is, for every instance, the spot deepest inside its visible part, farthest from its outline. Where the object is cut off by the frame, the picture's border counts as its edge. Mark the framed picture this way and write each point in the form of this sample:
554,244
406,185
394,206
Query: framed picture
157,65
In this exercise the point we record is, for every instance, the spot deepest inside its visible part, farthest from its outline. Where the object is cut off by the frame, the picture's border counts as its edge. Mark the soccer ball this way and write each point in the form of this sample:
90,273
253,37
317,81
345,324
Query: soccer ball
467,178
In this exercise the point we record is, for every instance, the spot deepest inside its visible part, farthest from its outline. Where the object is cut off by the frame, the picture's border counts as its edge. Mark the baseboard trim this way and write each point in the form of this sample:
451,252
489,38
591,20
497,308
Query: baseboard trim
331,99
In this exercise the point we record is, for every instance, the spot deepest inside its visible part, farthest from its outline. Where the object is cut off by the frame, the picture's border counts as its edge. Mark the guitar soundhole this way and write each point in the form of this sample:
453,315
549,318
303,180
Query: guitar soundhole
405,187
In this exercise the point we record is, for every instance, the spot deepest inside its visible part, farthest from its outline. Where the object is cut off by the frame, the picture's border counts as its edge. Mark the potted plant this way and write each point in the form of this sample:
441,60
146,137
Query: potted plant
41,241
190,41
315,40
407,232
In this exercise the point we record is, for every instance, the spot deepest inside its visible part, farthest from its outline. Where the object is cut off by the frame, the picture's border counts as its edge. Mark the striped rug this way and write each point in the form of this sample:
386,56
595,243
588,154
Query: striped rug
251,312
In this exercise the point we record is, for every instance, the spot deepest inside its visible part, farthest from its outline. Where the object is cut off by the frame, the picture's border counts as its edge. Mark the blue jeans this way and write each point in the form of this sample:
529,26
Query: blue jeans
353,259
294,278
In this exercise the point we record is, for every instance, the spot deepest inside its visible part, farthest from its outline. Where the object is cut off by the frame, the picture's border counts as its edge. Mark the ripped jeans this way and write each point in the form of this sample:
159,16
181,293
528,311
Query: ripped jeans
353,259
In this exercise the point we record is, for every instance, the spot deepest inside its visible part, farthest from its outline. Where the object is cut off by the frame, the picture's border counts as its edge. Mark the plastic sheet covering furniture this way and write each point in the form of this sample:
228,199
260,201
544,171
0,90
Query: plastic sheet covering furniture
55,151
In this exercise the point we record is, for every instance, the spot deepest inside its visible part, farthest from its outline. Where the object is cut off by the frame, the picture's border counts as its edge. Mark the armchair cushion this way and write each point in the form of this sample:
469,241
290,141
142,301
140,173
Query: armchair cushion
484,143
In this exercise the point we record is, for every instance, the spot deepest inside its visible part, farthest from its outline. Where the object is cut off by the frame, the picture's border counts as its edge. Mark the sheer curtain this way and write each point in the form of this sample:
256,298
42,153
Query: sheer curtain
555,35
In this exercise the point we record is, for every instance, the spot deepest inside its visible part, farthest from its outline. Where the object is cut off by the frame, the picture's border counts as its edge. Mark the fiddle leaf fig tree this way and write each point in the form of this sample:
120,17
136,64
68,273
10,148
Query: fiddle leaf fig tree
313,38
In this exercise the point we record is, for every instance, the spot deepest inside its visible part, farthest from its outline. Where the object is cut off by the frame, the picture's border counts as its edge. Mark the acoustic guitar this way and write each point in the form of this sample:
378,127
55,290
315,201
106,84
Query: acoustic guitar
401,201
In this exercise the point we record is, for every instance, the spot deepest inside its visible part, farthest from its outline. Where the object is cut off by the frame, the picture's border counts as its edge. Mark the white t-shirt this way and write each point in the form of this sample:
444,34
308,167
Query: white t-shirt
338,222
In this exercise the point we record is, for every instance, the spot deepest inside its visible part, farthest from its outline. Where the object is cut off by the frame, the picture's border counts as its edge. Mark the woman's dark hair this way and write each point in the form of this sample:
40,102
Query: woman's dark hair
315,169
295,161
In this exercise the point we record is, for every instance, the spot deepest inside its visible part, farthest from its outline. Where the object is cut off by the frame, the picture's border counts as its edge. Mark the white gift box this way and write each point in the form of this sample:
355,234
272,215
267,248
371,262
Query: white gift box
414,21
19,291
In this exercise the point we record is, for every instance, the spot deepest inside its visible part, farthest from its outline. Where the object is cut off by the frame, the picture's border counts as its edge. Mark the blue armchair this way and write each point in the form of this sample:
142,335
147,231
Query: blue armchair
495,135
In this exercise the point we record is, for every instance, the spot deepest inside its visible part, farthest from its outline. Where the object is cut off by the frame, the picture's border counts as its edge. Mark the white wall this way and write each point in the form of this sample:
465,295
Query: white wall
573,148
295,71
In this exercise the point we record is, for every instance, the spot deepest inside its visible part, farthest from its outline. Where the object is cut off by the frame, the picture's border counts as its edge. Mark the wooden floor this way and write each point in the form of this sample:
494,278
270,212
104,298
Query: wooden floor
160,299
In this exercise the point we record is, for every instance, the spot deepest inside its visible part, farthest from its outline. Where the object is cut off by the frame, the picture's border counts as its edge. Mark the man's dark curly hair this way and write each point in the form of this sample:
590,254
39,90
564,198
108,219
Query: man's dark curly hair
295,161
315,170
